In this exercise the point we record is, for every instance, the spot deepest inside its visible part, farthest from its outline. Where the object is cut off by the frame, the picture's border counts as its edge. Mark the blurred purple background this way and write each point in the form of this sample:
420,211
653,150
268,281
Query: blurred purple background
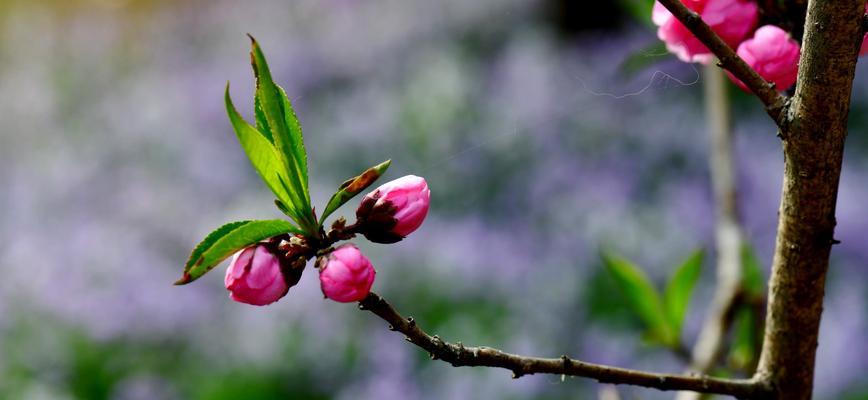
540,149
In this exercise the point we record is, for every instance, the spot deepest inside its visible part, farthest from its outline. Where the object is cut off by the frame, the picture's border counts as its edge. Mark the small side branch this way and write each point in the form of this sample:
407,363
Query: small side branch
459,355
729,60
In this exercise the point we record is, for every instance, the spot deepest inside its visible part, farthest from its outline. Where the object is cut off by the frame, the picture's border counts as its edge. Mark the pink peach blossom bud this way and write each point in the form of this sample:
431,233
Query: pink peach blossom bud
773,54
346,275
394,210
732,20
254,276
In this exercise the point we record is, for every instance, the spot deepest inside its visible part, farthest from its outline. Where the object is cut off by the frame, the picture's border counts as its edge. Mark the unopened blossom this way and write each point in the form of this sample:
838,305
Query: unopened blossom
345,274
773,54
254,276
394,210
732,20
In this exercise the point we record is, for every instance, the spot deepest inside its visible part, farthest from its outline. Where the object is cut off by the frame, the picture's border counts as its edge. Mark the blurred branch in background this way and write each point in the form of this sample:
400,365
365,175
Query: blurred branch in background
728,230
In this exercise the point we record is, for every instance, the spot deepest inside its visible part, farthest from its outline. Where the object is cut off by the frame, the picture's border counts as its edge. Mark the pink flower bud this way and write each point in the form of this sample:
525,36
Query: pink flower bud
254,277
394,210
773,54
346,275
732,20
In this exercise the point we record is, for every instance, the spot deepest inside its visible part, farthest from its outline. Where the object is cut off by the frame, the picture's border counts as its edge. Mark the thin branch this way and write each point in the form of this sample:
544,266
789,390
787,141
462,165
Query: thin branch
774,101
459,355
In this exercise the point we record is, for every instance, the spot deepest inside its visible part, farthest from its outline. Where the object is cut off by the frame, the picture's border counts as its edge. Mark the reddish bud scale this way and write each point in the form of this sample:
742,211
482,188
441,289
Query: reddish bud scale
394,210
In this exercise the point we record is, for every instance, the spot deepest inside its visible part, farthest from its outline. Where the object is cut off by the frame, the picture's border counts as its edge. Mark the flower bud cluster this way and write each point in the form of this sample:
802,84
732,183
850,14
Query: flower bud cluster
263,273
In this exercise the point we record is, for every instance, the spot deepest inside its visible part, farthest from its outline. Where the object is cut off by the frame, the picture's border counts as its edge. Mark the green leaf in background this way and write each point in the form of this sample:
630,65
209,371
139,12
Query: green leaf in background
746,340
644,58
227,240
352,187
639,9
642,297
676,296
275,112
264,158
753,279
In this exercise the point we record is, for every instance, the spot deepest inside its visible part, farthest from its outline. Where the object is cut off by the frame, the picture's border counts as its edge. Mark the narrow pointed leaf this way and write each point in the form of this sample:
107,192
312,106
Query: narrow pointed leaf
227,240
642,297
271,105
352,187
263,156
676,296
205,244
296,140
261,122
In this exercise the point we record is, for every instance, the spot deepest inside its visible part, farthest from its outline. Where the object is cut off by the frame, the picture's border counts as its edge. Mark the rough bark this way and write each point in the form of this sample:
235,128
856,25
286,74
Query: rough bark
813,141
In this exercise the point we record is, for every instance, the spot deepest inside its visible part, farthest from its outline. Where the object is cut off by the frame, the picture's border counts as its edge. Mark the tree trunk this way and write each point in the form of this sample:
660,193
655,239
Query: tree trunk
813,141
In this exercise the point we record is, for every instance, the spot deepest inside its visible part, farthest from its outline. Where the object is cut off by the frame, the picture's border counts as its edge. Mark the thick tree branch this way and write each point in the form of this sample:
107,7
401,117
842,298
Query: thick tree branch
813,152
459,355
774,101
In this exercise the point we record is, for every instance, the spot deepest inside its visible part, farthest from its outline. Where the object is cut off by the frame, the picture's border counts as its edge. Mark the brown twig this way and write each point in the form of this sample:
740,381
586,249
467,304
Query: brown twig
774,102
460,355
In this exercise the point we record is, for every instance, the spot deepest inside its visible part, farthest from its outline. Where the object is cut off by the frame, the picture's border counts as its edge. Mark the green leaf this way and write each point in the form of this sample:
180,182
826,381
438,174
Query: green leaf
746,340
261,122
264,158
352,187
275,112
676,296
227,240
205,244
296,140
642,297
753,279
639,9
643,59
